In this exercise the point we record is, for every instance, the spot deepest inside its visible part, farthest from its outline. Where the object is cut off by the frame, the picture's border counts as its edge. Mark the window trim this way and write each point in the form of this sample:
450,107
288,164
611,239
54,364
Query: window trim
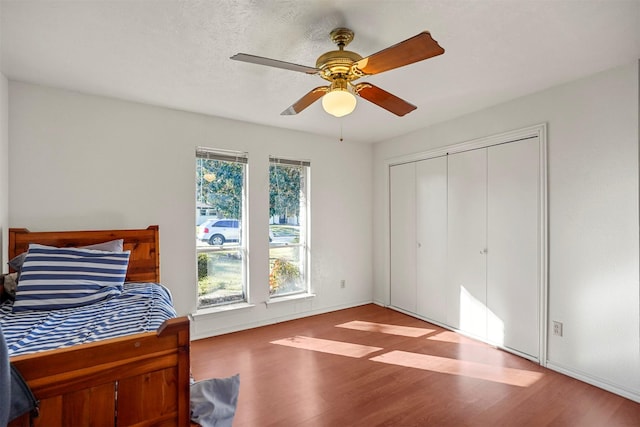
242,158
304,218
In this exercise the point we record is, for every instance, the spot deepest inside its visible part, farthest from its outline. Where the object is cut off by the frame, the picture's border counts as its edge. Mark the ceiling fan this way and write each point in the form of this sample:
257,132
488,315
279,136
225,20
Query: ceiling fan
342,67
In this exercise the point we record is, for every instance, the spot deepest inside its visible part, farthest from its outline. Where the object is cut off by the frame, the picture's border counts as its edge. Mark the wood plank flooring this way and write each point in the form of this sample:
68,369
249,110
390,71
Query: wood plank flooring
372,366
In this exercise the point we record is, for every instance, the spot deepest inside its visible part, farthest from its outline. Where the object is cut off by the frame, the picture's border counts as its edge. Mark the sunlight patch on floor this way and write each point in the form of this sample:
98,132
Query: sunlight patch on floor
405,331
452,337
511,376
328,346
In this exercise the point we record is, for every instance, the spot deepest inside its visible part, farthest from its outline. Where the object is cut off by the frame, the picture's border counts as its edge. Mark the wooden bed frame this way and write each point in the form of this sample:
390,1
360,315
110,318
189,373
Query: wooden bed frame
135,380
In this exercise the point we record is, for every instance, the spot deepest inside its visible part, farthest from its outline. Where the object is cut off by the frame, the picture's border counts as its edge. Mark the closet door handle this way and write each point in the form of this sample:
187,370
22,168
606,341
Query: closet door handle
484,251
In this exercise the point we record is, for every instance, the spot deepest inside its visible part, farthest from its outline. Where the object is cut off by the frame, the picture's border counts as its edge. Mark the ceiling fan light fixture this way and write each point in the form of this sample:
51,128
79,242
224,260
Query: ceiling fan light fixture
339,101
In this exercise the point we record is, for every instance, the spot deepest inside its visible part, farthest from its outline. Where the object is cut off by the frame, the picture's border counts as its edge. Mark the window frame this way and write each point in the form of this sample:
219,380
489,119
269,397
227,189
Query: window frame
241,245
304,230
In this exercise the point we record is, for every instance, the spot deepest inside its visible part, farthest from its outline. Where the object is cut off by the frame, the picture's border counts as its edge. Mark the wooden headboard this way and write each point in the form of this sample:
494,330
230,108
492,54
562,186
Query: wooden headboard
144,244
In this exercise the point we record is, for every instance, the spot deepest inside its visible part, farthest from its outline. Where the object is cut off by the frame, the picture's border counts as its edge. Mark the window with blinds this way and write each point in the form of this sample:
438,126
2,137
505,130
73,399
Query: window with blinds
220,211
288,226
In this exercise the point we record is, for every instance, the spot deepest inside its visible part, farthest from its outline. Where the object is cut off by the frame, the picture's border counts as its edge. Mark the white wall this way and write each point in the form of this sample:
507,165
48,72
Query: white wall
88,162
4,167
593,216
4,171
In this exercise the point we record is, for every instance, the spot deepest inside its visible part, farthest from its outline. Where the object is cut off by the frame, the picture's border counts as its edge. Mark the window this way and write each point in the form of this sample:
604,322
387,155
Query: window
288,225
220,246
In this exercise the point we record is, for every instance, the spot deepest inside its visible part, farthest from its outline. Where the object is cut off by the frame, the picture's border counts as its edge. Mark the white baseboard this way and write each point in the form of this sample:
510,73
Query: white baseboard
597,382
208,333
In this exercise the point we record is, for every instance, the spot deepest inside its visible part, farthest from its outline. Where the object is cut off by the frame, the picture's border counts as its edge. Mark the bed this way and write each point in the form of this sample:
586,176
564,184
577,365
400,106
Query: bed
135,379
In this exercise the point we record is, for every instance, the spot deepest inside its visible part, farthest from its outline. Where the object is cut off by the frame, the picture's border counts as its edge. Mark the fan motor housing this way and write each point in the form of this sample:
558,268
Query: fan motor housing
337,63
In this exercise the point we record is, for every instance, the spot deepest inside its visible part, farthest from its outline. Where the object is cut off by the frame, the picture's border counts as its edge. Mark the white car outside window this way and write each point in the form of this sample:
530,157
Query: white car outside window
216,232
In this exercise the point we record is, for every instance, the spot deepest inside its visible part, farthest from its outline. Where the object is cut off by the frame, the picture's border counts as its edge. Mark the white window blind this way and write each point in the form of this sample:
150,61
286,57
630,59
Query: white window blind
228,156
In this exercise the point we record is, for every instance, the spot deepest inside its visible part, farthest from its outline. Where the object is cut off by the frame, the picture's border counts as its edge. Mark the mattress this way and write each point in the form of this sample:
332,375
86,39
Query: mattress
141,307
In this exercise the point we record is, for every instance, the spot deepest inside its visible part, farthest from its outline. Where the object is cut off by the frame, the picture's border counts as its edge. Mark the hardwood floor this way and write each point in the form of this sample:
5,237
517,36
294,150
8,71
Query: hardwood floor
354,368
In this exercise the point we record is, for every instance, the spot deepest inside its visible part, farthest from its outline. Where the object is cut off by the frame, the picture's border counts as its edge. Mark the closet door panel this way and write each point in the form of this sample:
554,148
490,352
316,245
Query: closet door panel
402,197
513,240
466,260
431,230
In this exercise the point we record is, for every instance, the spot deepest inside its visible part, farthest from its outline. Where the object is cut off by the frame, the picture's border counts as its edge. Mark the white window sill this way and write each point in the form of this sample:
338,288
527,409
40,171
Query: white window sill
222,309
227,308
287,298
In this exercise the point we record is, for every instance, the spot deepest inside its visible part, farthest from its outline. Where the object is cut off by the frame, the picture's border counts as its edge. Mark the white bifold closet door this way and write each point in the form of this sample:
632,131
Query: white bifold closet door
431,231
467,242
513,224
493,244
402,186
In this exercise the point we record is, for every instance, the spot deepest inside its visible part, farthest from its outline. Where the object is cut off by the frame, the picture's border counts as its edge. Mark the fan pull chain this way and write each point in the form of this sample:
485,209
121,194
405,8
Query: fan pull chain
341,139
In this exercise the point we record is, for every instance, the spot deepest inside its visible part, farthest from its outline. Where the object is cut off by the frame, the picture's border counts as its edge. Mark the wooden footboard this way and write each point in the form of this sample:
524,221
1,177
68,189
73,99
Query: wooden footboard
136,380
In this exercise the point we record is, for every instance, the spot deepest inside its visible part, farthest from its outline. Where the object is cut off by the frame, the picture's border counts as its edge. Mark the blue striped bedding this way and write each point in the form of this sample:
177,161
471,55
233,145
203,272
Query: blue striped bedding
141,307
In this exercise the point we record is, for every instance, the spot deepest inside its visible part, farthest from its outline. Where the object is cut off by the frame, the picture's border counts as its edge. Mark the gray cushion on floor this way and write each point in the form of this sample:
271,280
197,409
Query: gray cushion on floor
214,401
5,382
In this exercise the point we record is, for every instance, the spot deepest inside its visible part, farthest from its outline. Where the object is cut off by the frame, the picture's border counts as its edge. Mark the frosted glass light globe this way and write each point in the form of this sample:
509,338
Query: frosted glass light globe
339,103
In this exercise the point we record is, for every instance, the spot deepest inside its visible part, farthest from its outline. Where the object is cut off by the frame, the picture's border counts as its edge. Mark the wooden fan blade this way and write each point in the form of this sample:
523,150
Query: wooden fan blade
273,63
415,49
384,99
311,97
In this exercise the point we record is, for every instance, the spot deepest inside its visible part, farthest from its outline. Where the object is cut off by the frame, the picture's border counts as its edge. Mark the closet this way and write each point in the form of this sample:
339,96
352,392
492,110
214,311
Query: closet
418,247
465,246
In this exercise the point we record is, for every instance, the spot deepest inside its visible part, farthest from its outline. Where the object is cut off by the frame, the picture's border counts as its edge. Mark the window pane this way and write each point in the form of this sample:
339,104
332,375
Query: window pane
286,276
220,278
220,248
288,207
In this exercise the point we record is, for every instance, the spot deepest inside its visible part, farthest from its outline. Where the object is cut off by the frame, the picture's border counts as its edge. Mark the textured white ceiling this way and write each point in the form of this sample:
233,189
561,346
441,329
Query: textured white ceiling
176,53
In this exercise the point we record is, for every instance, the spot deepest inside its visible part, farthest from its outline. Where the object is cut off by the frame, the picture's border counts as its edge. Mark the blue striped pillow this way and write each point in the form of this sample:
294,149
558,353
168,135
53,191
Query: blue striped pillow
54,278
